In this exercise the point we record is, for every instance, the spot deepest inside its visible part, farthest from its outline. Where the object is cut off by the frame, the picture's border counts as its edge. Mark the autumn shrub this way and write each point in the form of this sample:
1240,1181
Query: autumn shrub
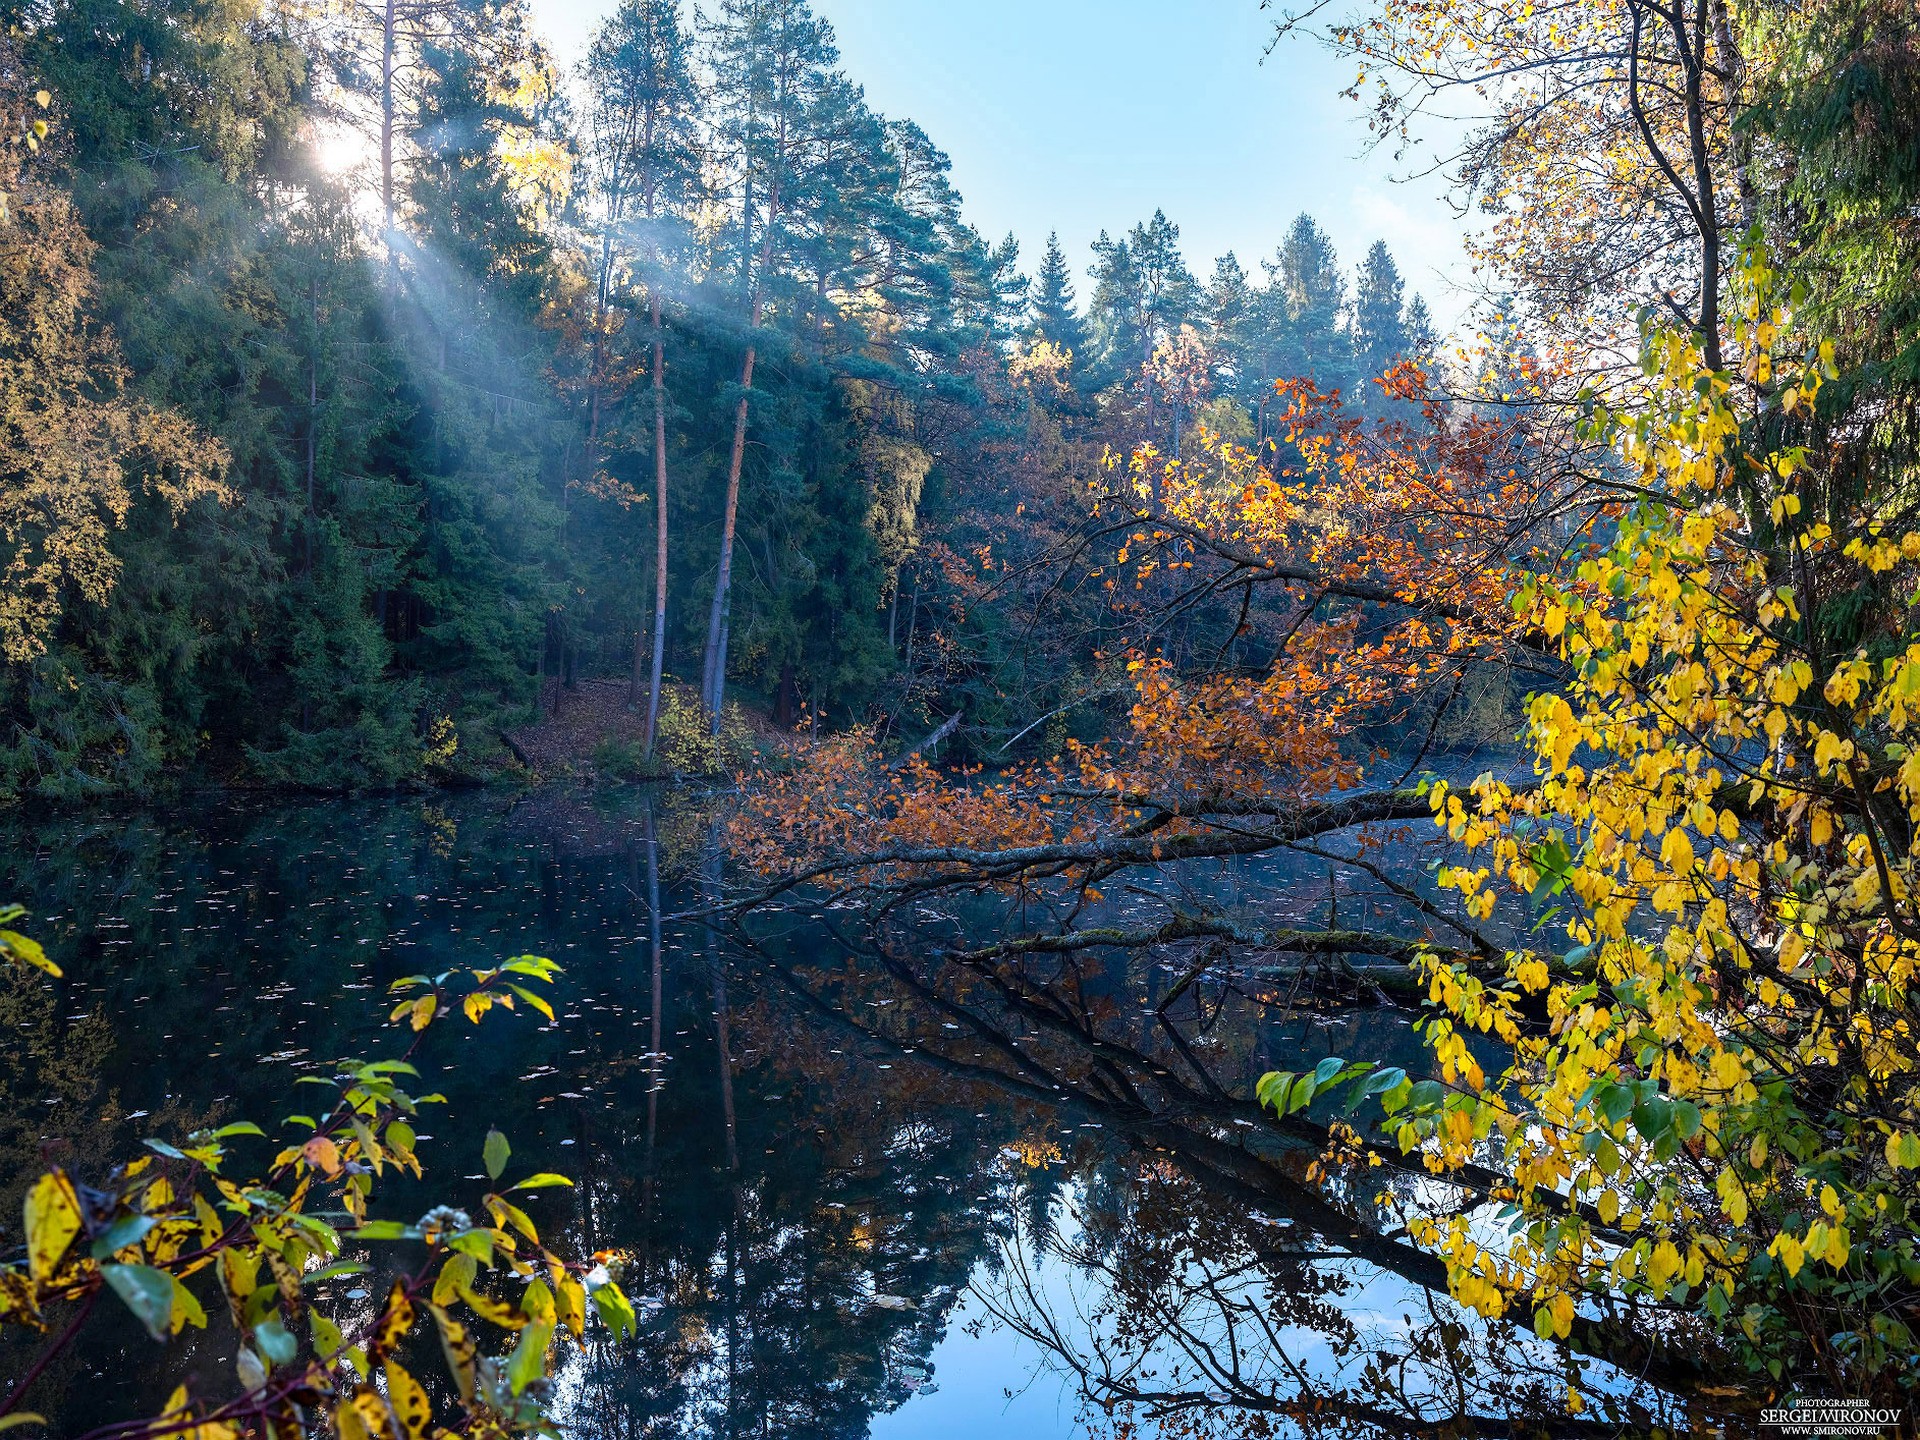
194,1234
685,742
1711,1107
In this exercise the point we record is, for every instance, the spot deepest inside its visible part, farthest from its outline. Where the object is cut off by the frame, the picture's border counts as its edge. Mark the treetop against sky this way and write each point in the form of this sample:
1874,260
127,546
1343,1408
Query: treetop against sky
1083,115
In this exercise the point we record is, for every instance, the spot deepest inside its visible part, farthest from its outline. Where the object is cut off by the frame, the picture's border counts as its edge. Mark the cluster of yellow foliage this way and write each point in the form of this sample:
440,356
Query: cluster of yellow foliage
1715,1103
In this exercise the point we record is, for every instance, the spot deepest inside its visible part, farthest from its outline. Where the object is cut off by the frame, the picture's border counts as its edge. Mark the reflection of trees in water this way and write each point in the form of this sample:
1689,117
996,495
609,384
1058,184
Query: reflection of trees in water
1175,1314
797,1264
796,1234
1197,1310
776,1316
826,1230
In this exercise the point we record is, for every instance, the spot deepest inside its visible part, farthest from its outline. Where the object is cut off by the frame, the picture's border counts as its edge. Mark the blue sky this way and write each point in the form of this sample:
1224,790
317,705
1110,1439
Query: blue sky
1079,115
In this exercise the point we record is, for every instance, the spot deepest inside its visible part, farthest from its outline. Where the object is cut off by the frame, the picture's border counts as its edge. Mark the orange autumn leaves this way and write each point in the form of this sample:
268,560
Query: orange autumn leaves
1374,558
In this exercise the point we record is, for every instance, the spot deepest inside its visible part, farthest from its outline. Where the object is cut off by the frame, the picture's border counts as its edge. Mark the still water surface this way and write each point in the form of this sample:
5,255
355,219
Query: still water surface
835,1221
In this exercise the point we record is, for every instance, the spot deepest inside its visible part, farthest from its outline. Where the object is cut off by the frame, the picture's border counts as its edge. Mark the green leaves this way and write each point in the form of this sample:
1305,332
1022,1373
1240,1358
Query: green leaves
1390,1086
148,1293
528,1362
1287,1093
544,1180
127,1230
495,1154
1614,1103
615,1310
477,1243
334,1271
1661,1121
386,1230
536,967
1686,1119
1553,863
176,1216
275,1342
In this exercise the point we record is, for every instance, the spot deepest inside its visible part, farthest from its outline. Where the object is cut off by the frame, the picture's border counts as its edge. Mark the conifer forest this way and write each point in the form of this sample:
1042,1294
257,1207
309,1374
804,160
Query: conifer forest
653,784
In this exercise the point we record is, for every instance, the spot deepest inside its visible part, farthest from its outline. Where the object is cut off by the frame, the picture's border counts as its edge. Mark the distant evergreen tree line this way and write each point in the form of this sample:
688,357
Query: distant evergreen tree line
698,375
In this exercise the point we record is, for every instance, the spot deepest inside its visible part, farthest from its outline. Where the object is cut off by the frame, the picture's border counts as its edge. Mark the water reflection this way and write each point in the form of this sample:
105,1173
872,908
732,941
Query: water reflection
832,1161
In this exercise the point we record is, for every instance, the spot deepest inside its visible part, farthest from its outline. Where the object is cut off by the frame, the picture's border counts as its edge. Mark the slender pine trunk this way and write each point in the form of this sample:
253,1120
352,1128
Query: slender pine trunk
713,675
655,1057
386,115
659,527
597,365
313,411
714,672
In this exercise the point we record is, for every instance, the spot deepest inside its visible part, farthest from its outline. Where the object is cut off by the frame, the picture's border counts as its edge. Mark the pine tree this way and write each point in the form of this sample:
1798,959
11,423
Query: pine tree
1051,305
374,51
1378,325
1142,294
930,275
851,241
1299,323
1423,338
1169,295
642,112
1228,316
771,60
1116,332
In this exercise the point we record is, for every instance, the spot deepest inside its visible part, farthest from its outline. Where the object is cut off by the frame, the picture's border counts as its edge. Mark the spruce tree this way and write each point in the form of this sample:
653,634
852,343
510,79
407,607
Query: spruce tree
1423,338
476,267
1228,315
1051,305
1299,322
1378,326
1009,288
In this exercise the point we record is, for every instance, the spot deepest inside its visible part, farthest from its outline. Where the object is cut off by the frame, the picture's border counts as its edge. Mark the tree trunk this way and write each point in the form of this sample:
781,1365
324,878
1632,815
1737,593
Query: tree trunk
597,365
386,116
713,673
313,410
784,698
717,977
656,1035
660,526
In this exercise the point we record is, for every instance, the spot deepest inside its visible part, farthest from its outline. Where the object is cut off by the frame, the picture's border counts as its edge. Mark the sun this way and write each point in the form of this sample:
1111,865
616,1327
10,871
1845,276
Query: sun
342,148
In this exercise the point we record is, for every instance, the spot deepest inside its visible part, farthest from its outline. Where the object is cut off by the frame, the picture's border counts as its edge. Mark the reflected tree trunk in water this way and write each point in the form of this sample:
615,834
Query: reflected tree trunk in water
656,1035
710,884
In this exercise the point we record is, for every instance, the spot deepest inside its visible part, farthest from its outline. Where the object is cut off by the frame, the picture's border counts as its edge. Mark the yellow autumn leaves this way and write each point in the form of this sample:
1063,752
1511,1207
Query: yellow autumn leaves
1725,809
